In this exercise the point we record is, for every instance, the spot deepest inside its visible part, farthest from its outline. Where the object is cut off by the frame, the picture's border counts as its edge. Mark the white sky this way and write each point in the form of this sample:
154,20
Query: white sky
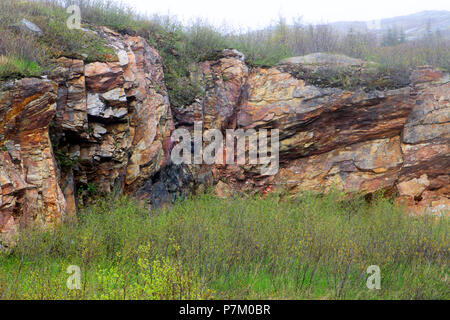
259,13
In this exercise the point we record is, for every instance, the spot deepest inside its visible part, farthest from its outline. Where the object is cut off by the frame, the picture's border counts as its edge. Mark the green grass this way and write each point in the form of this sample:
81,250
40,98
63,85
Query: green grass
17,68
308,247
33,55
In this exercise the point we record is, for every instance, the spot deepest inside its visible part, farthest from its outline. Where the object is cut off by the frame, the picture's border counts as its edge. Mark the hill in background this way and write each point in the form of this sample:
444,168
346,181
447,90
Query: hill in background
414,25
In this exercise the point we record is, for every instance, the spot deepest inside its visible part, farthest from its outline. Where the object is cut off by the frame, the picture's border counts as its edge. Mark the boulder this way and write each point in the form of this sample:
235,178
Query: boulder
327,70
330,60
29,27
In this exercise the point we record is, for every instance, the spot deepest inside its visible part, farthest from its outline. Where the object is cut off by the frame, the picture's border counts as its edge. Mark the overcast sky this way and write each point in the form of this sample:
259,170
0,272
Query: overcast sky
259,13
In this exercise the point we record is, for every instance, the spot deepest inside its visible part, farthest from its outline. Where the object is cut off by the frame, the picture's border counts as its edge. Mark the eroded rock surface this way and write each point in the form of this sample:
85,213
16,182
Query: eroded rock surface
106,127
115,122
223,81
29,187
355,139
90,128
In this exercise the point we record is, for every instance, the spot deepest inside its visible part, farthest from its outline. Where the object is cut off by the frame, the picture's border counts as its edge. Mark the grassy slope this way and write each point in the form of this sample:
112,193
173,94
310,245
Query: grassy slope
27,55
307,247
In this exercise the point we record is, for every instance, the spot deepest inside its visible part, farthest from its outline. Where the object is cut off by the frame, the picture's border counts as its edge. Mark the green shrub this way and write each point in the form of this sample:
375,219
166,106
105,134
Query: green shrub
21,55
156,278
245,248
13,67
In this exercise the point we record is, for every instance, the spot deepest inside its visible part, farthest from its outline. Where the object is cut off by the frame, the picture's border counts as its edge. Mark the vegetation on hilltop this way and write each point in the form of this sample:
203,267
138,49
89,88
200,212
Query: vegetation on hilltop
27,54
181,46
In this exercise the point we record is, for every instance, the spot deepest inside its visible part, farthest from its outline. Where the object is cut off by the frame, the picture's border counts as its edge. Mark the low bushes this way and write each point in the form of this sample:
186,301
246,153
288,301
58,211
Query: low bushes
306,247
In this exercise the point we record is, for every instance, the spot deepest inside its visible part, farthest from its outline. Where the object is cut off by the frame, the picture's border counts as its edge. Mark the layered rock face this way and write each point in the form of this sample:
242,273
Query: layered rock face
222,82
107,126
29,188
377,136
113,121
88,128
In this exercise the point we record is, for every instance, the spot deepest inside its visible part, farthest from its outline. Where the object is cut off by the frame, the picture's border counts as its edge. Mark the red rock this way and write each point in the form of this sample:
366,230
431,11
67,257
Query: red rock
330,137
102,77
113,122
29,182
116,145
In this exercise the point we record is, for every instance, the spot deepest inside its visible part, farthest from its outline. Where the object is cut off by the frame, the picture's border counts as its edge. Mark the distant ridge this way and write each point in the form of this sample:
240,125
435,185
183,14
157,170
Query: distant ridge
414,25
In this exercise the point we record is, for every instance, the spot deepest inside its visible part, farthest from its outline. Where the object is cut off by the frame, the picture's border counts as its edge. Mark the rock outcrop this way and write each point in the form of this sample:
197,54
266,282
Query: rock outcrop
114,120
106,127
356,140
88,128
29,188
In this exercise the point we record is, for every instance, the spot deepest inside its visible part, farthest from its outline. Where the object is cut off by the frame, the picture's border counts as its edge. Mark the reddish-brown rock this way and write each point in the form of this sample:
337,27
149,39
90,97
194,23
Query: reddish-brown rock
71,104
357,140
28,172
111,125
126,138
151,119
223,81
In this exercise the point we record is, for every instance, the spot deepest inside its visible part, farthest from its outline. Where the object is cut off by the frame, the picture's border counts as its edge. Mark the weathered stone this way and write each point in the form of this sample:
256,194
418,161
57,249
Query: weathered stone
109,119
320,58
366,167
355,140
430,118
67,184
338,71
414,187
172,183
112,124
104,110
224,81
96,107
115,97
222,190
426,74
151,119
28,176
29,27
98,130
312,120
103,77
71,103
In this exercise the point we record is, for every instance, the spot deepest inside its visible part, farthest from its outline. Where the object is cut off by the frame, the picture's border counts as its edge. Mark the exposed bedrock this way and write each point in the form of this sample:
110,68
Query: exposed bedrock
389,136
114,119
106,127
29,187
87,129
